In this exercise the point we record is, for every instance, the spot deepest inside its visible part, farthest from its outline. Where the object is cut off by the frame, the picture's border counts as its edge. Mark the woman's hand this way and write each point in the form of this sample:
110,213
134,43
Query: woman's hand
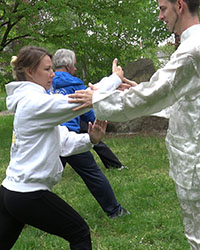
82,96
117,69
97,131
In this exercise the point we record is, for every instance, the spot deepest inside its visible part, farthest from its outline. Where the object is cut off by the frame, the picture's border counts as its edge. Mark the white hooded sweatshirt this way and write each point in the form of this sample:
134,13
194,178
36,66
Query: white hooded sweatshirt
36,146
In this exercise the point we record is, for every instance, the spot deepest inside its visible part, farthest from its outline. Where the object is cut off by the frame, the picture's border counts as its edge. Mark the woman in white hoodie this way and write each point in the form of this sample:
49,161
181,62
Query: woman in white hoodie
34,167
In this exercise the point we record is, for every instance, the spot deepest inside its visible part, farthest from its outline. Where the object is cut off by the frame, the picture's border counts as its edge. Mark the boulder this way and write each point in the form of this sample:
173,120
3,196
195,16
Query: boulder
140,70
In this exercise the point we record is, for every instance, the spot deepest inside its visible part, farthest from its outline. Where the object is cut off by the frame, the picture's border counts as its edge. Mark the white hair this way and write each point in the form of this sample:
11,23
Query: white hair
63,58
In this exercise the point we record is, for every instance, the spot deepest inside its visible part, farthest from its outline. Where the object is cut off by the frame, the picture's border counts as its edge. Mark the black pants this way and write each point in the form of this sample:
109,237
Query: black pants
44,210
85,165
106,155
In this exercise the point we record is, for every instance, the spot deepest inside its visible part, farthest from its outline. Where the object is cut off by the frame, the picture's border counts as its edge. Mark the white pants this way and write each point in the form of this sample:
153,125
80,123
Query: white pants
190,205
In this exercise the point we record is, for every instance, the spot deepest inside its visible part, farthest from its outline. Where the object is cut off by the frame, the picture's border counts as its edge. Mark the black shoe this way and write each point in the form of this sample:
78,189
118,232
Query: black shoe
121,212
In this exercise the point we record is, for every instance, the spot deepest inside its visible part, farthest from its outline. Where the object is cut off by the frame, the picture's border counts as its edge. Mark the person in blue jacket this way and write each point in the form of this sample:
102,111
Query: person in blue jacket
66,82
84,164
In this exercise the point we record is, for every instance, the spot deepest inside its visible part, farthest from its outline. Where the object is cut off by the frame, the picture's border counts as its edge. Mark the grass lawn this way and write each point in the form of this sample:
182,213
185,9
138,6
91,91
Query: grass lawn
144,188
2,103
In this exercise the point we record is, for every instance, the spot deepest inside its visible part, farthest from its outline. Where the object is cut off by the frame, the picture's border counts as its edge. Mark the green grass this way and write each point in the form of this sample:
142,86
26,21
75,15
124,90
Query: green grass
2,103
145,189
2,94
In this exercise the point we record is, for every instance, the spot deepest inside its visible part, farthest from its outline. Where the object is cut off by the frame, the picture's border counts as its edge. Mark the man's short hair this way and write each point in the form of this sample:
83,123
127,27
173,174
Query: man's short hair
193,5
63,58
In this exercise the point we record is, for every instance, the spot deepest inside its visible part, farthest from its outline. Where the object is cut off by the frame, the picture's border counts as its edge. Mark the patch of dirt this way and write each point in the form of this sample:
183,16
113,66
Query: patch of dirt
160,133
6,112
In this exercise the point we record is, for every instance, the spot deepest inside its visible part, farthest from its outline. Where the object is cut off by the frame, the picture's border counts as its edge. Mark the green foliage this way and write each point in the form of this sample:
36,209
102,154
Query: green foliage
98,31
3,80
152,53
144,188
5,135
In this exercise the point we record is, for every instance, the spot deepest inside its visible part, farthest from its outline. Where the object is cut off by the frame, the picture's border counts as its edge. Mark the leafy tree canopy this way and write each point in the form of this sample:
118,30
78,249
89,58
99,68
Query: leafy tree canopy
97,30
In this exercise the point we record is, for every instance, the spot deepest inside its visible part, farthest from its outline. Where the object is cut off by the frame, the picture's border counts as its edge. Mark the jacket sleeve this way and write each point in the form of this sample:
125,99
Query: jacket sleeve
73,143
109,83
47,111
178,78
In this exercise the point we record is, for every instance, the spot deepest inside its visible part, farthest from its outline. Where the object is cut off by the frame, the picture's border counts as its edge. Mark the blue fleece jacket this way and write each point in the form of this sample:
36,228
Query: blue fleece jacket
64,83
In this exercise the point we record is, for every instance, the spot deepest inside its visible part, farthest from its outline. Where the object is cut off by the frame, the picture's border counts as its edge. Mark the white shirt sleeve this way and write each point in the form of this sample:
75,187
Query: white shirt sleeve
109,83
165,113
72,143
166,86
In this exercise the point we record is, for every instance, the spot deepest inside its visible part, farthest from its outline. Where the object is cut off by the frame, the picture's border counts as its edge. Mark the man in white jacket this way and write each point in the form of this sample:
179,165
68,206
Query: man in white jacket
177,84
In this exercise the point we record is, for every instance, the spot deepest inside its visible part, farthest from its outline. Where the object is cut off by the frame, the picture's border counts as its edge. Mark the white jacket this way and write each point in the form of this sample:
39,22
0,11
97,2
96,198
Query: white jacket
36,146
73,143
177,84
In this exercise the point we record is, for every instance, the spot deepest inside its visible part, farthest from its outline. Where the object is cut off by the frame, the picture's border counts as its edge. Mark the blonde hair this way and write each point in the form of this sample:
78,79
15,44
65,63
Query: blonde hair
12,64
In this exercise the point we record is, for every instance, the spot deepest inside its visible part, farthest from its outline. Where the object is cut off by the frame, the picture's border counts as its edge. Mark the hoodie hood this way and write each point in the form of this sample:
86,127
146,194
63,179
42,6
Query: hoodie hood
15,92
64,79
12,86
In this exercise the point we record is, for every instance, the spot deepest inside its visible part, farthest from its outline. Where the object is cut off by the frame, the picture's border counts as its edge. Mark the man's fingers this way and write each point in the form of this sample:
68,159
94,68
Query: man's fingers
124,86
130,82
